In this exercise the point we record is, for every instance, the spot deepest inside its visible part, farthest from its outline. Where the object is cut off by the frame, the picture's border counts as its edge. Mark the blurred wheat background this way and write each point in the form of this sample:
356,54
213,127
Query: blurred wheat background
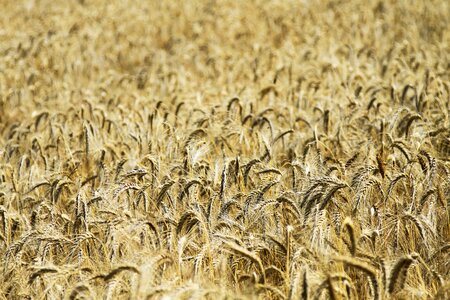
224,149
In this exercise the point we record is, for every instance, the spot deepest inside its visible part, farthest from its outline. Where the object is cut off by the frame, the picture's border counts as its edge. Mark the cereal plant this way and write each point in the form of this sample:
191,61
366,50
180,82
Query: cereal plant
203,149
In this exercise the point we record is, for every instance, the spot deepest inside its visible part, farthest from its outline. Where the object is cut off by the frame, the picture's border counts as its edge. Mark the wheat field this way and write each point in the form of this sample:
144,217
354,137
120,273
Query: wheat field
224,149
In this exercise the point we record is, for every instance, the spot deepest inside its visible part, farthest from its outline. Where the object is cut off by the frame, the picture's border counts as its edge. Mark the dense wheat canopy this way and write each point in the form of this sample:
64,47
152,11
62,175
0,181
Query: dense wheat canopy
224,149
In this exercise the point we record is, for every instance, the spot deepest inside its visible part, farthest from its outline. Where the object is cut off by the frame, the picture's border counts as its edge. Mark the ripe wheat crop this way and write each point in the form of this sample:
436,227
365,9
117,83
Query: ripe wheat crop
207,149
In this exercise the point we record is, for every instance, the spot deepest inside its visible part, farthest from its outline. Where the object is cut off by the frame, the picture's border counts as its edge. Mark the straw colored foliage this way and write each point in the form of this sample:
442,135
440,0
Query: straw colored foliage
224,149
